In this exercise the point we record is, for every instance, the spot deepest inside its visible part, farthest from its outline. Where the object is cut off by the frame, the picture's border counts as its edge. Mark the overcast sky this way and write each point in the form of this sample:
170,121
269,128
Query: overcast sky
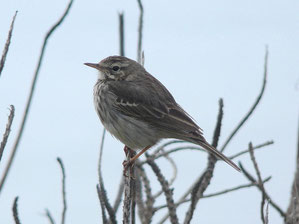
200,50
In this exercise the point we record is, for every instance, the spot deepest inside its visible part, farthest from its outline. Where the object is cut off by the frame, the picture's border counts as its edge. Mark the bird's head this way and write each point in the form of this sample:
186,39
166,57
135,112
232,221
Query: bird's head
116,68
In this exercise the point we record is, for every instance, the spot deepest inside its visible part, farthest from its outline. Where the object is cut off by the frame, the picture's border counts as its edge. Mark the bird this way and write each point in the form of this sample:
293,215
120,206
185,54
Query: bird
138,110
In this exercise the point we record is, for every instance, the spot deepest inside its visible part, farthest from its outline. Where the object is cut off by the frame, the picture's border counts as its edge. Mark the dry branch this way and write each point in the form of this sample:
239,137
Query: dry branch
63,190
49,216
29,100
15,211
6,47
168,193
140,27
252,109
7,130
253,180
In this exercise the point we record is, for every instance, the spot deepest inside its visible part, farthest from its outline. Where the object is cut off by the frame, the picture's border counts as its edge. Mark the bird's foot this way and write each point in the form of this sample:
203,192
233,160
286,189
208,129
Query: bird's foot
128,167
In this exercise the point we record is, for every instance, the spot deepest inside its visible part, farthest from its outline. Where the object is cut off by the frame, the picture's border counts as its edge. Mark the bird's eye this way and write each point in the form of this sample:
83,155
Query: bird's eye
115,68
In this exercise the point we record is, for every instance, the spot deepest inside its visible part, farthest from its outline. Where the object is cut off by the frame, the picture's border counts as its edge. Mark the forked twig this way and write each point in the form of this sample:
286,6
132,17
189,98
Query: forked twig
29,100
252,109
6,47
7,130
121,34
253,180
260,182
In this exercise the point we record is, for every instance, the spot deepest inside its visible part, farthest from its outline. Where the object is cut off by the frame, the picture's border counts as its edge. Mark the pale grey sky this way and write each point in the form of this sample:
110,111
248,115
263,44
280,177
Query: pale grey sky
200,50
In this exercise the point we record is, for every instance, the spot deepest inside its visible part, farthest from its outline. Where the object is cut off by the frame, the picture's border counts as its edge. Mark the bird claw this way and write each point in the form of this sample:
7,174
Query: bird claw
128,164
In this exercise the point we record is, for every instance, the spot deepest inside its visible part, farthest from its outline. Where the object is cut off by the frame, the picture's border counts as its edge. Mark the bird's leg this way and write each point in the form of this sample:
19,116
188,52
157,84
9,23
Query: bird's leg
130,162
127,150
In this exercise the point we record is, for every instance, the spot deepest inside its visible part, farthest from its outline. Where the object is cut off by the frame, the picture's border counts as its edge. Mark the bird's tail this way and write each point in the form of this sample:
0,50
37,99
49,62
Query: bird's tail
215,152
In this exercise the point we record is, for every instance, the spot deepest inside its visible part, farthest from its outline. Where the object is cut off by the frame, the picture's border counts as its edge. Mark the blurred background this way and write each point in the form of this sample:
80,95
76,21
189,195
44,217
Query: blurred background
200,50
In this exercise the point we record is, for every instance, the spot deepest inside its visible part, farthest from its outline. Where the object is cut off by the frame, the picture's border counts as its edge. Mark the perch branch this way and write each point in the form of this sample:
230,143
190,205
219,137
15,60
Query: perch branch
29,100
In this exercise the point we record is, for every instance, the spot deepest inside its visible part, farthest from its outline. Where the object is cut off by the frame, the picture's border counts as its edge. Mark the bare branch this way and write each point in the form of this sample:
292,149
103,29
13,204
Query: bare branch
204,180
63,190
272,203
292,215
49,216
7,130
255,147
121,34
101,189
168,193
29,100
260,182
120,192
15,211
215,194
140,26
252,109
102,203
6,47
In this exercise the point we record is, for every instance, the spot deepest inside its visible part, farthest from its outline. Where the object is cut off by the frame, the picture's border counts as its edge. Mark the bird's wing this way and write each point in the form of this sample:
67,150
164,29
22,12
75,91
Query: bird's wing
152,104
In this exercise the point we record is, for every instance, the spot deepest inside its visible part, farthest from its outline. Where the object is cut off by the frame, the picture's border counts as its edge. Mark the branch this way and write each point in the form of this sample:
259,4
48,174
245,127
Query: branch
6,47
204,180
29,100
121,34
216,193
101,189
140,26
7,130
101,199
293,210
15,211
272,203
63,190
252,109
260,182
255,147
168,193
49,216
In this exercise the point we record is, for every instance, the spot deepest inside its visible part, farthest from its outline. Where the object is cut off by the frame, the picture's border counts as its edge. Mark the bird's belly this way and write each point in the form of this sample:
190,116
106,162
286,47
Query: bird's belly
133,133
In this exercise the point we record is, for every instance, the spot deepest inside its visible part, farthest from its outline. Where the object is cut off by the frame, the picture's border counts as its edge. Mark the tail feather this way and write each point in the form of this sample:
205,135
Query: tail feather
218,154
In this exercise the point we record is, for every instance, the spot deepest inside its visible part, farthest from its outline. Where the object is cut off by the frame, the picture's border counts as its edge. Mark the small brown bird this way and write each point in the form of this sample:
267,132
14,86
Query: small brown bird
138,109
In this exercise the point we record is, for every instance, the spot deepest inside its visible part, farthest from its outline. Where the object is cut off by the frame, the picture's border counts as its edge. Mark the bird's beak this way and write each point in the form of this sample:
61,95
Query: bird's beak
93,65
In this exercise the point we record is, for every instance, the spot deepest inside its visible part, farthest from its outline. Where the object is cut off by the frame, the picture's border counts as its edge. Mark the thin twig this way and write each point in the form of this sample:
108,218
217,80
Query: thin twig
121,34
50,217
168,193
139,199
255,147
15,211
29,100
267,213
260,182
252,109
170,142
205,179
253,180
7,130
101,199
103,193
63,190
216,193
150,200
140,26
120,192
6,47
